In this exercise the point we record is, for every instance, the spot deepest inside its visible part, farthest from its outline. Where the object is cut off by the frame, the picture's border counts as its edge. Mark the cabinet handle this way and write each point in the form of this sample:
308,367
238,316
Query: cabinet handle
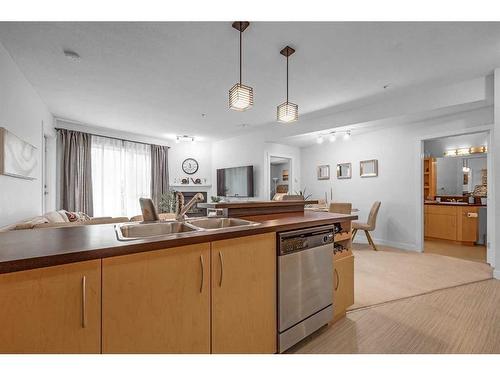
221,260
337,279
202,273
84,302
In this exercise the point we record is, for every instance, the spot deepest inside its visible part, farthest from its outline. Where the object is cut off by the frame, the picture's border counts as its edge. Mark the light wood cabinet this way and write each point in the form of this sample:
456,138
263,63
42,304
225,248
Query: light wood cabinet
468,224
429,178
343,285
453,223
157,301
244,295
52,310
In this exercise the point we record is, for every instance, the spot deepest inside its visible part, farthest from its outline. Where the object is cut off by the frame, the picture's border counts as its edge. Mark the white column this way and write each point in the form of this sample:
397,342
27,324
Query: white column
495,176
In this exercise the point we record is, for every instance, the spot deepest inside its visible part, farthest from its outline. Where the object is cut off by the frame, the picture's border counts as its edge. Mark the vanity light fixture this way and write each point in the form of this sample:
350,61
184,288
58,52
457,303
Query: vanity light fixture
332,137
466,151
319,140
240,95
479,150
347,135
287,111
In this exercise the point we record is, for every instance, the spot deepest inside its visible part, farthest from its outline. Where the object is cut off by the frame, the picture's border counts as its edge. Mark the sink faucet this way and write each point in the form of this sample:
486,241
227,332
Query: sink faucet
181,209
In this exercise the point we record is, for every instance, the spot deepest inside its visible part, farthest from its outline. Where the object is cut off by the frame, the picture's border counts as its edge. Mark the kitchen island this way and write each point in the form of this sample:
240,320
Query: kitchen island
81,290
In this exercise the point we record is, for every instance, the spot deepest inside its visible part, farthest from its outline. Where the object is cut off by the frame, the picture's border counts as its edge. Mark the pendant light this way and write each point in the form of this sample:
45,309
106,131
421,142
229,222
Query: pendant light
287,112
465,165
240,95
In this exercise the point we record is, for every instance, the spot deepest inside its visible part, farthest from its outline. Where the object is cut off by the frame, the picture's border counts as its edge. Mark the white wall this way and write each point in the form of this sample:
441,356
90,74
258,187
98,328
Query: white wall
397,185
253,150
23,113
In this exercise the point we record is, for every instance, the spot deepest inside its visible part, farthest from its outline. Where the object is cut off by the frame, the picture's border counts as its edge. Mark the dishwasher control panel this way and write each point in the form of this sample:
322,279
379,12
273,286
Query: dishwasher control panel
293,241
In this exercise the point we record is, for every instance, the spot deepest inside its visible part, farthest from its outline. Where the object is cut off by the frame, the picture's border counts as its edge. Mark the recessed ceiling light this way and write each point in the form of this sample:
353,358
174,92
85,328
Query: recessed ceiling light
71,55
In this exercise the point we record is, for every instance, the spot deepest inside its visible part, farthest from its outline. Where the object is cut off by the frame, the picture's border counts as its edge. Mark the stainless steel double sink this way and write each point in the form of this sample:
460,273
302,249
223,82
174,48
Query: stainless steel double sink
175,229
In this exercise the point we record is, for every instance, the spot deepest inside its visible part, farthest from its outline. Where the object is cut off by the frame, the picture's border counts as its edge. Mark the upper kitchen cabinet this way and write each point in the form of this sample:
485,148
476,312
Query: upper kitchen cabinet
157,301
52,310
244,295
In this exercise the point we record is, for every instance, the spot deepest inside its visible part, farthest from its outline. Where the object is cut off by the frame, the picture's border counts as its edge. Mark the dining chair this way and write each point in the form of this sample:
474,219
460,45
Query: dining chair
369,226
340,208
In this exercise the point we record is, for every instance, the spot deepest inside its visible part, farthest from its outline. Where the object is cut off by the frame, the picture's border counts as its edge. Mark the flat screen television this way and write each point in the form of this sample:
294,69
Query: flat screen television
235,182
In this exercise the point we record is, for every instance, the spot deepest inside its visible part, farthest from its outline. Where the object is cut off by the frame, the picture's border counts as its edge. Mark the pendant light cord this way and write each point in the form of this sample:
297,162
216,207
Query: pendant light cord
287,79
240,51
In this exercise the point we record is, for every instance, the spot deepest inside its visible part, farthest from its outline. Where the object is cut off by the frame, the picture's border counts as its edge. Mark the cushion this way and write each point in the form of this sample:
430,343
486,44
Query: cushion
56,217
76,216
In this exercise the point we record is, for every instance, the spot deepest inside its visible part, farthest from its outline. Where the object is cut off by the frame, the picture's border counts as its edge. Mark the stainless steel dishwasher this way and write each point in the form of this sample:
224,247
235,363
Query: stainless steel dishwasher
305,283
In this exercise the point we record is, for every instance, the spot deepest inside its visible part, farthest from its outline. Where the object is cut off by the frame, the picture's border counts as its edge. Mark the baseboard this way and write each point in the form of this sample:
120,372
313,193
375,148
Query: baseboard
398,245
496,274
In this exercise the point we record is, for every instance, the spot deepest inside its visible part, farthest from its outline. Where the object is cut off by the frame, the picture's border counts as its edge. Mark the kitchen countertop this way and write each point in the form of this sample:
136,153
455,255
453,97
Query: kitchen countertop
36,248
455,204
247,204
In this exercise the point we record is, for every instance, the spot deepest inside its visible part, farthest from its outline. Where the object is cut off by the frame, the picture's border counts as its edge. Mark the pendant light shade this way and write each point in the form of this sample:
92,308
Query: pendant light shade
287,111
240,95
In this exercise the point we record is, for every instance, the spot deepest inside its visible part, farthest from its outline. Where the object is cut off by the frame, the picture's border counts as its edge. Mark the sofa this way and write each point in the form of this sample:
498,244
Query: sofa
62,218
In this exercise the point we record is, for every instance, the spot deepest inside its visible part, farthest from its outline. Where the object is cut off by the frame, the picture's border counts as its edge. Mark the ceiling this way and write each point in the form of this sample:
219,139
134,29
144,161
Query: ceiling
158,79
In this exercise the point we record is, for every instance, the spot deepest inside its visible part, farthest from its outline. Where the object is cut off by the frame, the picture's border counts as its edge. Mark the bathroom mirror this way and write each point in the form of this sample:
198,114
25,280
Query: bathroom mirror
344,170
323,172
368,168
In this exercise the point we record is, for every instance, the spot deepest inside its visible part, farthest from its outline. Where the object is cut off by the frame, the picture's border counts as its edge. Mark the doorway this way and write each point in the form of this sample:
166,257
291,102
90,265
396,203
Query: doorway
455,196
279,177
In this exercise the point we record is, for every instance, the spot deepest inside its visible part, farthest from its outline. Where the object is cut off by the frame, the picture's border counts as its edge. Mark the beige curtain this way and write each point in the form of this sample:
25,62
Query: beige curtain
159,172
74,150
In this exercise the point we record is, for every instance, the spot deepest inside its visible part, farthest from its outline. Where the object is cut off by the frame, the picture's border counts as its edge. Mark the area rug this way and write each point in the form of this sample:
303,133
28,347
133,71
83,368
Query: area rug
390,274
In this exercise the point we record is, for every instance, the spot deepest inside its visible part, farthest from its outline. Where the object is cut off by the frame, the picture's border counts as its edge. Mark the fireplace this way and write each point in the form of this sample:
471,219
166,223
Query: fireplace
195,211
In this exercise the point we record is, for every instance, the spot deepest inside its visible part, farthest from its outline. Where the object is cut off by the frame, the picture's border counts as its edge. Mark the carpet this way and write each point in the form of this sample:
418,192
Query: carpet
390,274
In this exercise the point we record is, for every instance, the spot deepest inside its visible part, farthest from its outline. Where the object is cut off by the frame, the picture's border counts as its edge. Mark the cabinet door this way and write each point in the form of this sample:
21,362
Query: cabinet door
157,301
51,310
467,224
244,295
441,226
343,285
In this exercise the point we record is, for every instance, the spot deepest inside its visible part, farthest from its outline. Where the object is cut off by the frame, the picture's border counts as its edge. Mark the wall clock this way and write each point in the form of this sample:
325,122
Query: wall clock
190,166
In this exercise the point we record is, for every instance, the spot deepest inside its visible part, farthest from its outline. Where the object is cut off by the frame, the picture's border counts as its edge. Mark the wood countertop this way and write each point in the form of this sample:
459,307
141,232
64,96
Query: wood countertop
455,204
254,204
37,248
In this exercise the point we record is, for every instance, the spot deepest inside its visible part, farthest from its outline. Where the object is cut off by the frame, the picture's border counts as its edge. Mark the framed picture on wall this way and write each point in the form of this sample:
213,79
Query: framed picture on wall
17,157
284,175
368,168
323,172
344,171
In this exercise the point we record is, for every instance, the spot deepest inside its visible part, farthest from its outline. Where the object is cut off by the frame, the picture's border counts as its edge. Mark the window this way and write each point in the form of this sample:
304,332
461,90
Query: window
121,174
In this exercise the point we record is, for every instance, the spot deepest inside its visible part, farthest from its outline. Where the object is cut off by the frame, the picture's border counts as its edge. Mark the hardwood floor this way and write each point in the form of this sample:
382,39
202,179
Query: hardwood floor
462,319
476,253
